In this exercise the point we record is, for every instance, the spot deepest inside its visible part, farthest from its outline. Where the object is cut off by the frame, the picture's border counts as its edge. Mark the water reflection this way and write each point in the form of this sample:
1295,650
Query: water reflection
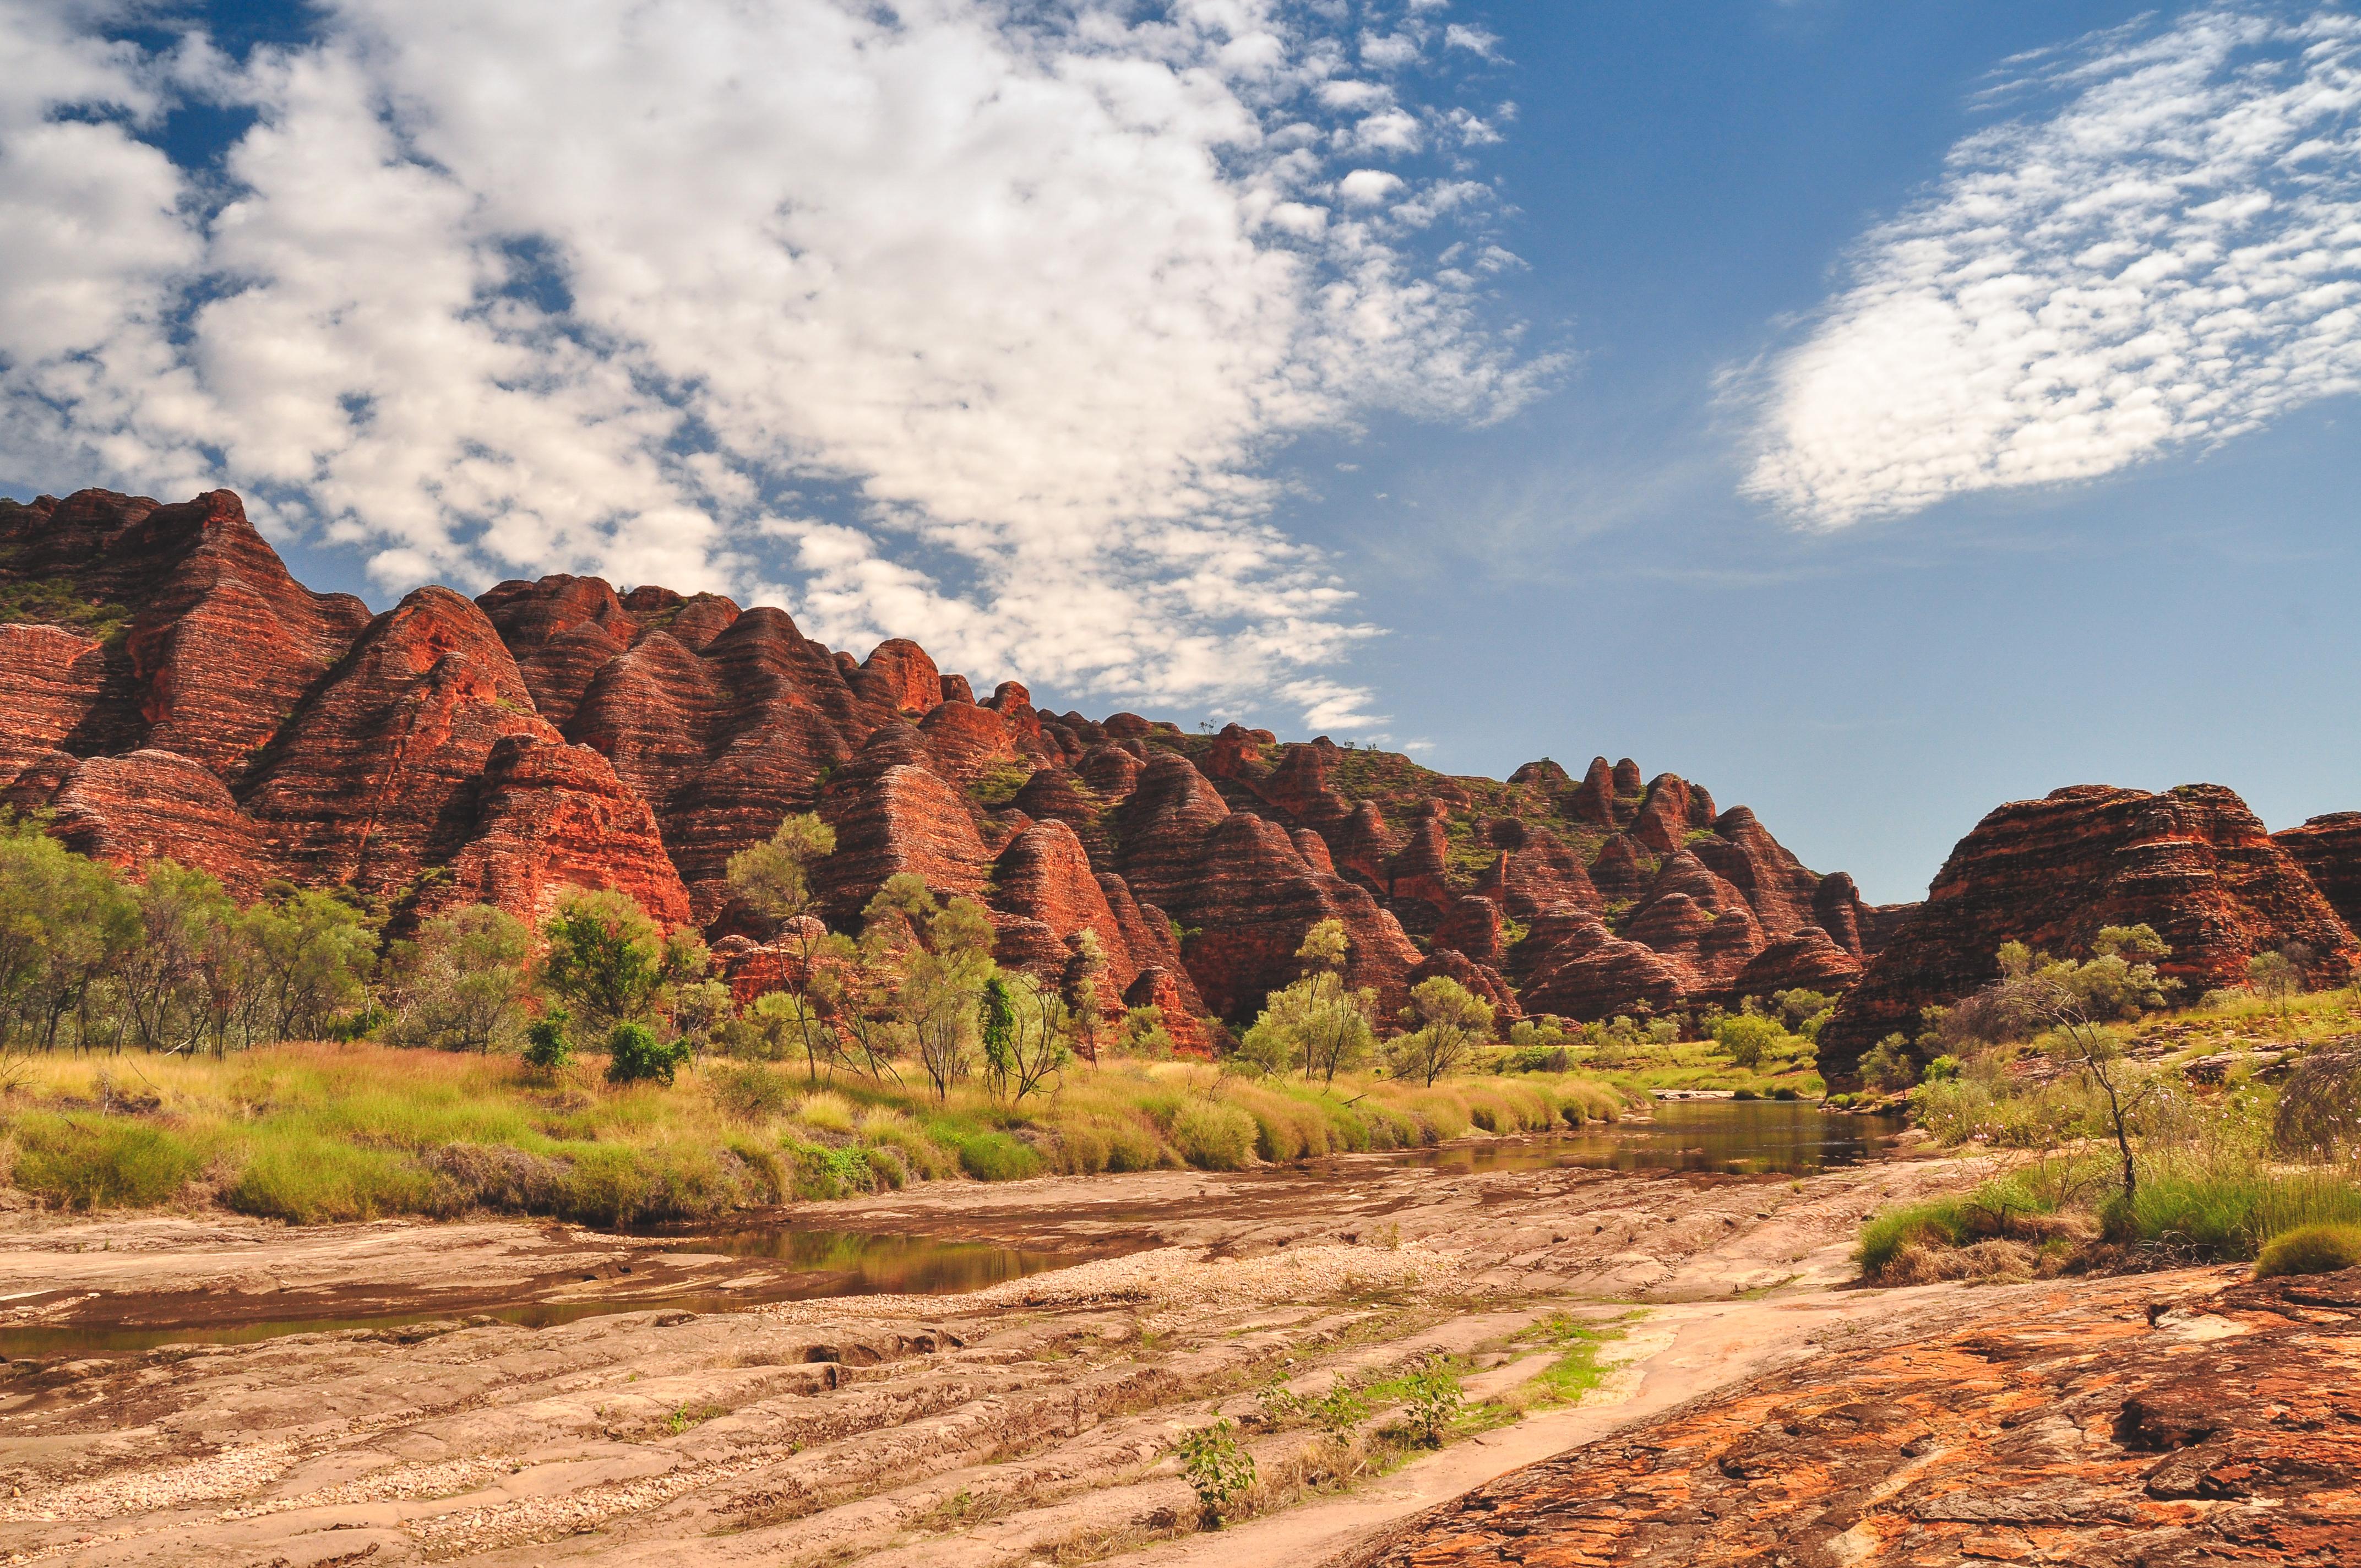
822,1264
1743,1138
859,1263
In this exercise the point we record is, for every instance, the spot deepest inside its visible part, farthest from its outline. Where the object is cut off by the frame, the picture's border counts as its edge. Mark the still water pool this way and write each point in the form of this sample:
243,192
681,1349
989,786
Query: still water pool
821,1263
1739,1137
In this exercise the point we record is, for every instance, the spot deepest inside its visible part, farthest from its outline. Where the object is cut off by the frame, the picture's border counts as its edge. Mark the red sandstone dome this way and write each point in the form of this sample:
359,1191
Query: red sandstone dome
204,705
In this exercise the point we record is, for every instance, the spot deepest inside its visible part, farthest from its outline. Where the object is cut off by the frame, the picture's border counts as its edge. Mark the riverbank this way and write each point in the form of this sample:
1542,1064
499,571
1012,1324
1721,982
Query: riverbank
1034,1419
321,1133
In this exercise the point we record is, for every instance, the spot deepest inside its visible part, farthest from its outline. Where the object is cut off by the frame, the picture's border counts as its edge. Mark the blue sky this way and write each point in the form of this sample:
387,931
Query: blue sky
1873,413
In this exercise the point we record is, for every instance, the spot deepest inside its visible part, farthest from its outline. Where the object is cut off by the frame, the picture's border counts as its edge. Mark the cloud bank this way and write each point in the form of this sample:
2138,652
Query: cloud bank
2172,257
976,320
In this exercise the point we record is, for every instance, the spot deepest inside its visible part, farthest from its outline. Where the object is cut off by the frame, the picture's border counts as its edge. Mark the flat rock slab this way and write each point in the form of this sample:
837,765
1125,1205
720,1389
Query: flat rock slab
2164,1421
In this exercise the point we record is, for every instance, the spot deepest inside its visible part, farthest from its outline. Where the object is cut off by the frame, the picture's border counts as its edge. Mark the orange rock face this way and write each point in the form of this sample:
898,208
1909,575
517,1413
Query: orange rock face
2193,862
557,732
2154,1422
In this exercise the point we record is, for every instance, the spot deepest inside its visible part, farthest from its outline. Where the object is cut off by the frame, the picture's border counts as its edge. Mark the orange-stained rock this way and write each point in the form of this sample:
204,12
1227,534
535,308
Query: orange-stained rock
1418,881
2159,1422
1673,809
1807,958
552,816
2193,862
1472,926
1776,886
561,630
1533,872
1363,847
1168,992
375,778
893,814
156,804
221,642
1055,795
2329,850
1593,800
1618,874
967,742
898,676
1582,970
54,680
1044,876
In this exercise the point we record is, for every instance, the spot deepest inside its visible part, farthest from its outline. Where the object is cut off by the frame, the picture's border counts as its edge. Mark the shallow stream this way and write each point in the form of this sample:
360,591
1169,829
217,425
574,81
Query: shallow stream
1734,1138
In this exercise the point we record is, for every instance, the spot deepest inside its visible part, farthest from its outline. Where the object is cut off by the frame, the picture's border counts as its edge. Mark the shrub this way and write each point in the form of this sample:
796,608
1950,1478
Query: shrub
996,1157
546,1048
1216,1467
749,1092
2312,1249
1432,1395
100,1162
634,1055
1212,1137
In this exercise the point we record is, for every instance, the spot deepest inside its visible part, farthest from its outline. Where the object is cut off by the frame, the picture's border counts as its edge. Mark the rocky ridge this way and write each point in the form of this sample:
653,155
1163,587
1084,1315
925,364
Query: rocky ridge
561,732
2193,862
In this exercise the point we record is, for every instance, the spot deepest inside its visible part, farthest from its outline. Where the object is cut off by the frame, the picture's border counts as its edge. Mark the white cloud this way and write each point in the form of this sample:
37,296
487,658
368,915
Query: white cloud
1367,187
1458,35
1389,51
496,287
2172,257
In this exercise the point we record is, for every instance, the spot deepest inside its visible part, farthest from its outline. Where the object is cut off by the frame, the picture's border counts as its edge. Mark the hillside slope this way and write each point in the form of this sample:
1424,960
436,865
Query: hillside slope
175,692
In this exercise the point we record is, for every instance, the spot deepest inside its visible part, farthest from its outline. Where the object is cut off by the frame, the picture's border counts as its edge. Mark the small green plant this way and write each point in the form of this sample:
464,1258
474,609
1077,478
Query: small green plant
1341,1413
1277,1404
681,1420
545,1046
1217,1469
1432,1395
634,1055
2313,1249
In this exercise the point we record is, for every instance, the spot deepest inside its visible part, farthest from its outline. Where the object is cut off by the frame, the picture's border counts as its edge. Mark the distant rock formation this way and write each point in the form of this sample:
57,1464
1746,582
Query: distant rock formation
190,699
2193,862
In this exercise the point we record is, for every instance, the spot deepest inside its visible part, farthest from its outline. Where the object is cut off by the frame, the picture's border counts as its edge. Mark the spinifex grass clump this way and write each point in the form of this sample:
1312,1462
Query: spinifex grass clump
319,1133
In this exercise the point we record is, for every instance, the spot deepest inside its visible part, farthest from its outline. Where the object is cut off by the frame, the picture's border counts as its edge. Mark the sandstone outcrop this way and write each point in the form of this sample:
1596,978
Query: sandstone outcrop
2158,1422
190,698
2329,850
155,805
2193,862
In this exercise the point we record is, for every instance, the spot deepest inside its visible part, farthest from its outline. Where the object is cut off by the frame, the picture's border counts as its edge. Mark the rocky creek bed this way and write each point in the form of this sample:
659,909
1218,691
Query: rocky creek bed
1033,1421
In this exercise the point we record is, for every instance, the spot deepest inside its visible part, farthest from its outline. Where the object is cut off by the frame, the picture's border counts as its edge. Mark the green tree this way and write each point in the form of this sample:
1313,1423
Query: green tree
464,982
927,963
1318,1023
1039,1045
1143,1033
605,961
2077,1003
634,1055
2274,978
176,980
66,925
1446,1022
1749,1038
311,955
773,878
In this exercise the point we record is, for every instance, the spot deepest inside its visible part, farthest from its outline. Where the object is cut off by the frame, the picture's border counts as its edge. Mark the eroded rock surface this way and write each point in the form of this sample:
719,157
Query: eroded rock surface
2168,1420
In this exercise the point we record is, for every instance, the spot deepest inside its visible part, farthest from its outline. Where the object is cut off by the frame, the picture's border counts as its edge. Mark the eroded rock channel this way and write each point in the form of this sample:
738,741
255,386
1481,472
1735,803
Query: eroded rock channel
1754,1408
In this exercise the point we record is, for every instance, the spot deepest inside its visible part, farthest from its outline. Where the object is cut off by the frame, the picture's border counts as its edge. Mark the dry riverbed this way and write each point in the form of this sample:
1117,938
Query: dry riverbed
1031,1421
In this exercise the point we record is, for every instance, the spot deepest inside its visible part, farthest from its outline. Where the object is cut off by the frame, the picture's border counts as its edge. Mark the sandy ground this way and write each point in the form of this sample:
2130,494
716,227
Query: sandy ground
1027,1423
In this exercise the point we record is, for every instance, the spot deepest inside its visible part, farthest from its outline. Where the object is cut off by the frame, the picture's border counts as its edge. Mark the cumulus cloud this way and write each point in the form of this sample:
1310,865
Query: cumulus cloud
2171,254
969,320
